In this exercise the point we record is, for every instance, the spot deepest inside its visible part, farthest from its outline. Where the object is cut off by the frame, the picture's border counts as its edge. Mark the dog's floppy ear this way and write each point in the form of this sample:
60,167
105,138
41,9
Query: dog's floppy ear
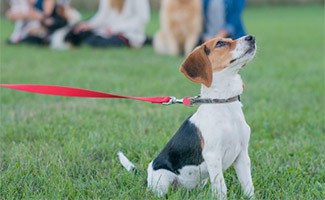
197,66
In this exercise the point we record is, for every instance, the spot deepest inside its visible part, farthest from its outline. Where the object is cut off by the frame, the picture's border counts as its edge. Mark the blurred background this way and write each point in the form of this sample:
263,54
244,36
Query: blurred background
92,5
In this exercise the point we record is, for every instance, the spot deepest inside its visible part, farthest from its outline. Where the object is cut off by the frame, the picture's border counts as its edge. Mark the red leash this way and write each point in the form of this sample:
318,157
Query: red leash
83,93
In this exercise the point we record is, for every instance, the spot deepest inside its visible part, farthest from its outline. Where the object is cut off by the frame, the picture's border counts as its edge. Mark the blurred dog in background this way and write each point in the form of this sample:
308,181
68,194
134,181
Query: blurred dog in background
180,27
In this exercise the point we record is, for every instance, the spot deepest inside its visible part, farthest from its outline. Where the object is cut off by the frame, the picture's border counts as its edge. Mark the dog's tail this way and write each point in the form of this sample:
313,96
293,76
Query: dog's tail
125,162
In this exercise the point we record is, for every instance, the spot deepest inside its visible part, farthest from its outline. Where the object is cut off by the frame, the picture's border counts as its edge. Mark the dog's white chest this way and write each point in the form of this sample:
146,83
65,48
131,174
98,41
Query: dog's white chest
224,130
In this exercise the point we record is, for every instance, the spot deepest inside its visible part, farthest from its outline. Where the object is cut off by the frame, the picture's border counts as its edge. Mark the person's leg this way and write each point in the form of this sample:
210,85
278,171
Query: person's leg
17,33
101,42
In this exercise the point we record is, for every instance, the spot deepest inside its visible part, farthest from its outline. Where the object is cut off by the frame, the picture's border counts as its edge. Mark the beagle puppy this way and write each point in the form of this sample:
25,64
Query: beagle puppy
180,27
217,135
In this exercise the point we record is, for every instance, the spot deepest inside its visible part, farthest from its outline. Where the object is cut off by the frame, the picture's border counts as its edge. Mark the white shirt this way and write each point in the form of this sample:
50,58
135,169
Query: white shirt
130,22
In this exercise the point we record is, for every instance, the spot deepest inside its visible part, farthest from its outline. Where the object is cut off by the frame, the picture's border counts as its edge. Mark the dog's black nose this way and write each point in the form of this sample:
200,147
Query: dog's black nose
250,38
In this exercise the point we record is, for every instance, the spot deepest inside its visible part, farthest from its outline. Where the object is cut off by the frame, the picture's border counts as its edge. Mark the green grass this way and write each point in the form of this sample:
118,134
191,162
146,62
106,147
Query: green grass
55,148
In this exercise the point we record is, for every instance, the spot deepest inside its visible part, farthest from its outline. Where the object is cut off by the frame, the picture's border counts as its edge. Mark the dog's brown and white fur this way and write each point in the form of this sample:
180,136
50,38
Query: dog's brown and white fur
217,135
180,27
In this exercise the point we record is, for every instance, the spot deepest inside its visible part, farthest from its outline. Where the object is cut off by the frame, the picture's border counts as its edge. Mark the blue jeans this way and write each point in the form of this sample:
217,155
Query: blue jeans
233,11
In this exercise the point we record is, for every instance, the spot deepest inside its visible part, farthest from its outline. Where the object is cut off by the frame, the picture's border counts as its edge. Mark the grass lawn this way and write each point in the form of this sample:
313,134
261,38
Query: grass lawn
55,147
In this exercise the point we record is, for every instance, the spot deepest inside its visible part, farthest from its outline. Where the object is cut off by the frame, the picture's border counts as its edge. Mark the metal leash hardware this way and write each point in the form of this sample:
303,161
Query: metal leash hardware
173,100
188,101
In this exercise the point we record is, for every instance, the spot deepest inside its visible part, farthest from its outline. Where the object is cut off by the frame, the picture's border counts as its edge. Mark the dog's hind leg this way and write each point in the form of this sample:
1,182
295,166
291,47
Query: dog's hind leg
159,180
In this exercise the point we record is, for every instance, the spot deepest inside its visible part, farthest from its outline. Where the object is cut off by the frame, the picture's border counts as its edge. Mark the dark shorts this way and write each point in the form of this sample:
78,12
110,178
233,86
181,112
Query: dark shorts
90,38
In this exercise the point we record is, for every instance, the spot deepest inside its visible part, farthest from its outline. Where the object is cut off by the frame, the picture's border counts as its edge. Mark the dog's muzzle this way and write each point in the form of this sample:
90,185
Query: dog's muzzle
251,41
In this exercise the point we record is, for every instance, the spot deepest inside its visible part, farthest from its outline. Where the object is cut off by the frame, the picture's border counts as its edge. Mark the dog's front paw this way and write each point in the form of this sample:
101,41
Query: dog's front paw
252,197
249,192
220,195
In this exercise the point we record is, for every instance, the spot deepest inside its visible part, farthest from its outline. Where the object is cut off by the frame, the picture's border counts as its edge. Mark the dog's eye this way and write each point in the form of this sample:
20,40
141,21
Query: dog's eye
220,44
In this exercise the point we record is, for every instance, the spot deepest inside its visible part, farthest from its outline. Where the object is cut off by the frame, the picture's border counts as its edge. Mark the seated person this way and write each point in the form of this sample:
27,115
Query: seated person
116,23
35,20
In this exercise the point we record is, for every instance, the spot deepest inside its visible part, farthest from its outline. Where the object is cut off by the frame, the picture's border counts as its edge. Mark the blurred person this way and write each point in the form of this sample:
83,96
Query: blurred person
223,18
26,19
35,21
117,23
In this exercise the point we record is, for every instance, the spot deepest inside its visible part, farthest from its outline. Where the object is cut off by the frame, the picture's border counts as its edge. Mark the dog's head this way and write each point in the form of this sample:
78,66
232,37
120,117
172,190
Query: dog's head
216,55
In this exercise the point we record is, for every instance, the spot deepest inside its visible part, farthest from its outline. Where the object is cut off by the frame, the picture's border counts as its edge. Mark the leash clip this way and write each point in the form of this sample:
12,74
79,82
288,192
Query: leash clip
194,100
173,100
